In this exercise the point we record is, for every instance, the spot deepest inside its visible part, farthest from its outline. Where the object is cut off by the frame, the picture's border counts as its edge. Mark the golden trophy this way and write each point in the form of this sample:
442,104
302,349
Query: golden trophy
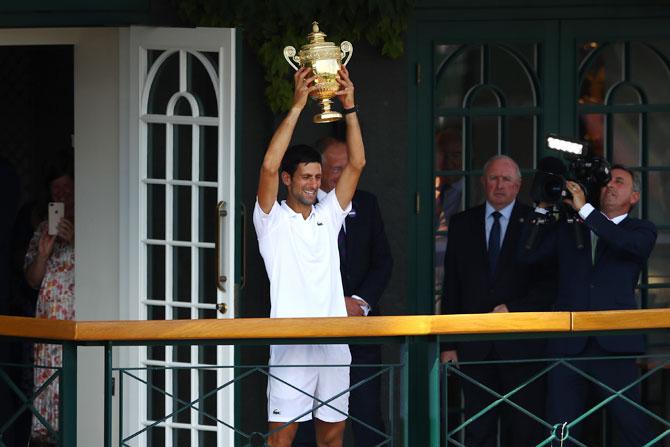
324,58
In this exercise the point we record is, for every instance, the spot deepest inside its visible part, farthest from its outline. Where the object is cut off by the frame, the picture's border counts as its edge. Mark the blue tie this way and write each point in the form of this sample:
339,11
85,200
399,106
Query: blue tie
494,241
342,248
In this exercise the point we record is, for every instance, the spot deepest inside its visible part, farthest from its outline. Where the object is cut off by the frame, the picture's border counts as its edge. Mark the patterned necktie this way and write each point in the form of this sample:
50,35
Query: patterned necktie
494,241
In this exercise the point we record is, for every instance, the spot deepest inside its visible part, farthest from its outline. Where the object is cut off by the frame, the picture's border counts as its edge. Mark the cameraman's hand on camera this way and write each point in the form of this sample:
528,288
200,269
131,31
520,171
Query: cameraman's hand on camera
578,196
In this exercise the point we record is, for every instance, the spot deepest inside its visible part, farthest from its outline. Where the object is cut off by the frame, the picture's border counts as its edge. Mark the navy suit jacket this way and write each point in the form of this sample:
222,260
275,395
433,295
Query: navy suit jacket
607,284
470,288
368,255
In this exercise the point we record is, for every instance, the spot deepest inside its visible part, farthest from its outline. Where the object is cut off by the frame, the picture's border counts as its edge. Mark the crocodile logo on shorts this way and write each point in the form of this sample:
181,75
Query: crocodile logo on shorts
275,411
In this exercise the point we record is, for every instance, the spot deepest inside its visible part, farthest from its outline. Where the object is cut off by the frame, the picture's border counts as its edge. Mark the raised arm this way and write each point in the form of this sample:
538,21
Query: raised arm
268,184
348,182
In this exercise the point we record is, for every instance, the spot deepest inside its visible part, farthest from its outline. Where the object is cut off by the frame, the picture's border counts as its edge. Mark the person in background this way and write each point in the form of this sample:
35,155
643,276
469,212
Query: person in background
601,275
49,267
482,275
365,267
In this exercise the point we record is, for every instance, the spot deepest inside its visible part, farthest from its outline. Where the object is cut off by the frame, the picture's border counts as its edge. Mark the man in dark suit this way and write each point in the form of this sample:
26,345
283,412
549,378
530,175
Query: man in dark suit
600,276
365,265
482,275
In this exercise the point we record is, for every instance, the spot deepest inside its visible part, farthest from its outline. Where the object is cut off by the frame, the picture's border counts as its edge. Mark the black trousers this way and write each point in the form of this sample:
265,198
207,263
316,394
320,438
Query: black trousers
569,393
364,401
516,428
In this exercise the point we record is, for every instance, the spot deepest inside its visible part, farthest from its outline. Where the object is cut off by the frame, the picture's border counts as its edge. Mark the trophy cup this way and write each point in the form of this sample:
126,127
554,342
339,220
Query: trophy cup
324,58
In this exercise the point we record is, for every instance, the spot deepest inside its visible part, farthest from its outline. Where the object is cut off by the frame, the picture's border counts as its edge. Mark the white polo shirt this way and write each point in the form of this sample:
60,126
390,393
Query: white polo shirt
301,258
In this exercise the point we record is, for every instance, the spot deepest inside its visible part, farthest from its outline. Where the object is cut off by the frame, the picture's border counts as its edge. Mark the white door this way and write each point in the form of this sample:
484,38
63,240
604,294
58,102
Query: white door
181,170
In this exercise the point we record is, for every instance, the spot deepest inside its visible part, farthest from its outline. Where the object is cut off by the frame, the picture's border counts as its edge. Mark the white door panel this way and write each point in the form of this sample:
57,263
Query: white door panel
181,251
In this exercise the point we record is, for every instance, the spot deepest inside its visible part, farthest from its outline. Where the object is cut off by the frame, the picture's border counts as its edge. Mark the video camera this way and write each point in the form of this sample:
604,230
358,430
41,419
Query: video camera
590,172
549,183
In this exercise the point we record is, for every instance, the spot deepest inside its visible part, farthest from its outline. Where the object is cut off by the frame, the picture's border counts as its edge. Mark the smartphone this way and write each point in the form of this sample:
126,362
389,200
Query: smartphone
56,212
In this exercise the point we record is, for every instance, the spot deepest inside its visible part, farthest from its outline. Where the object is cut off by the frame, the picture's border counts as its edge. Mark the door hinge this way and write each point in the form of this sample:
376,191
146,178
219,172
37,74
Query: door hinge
418,74
417,203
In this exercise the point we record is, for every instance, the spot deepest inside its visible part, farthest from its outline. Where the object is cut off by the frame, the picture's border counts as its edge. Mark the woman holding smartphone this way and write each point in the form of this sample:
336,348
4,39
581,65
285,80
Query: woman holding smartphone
49,267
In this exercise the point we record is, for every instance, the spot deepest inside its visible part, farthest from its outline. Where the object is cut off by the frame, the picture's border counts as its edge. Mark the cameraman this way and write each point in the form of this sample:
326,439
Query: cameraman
600,276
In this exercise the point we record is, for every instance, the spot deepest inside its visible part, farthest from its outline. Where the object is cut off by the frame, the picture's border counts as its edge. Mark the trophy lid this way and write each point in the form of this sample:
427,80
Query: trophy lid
316,36
316,39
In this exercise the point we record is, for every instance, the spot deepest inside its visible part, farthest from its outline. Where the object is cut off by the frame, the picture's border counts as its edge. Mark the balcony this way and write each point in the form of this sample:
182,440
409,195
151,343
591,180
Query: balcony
415,387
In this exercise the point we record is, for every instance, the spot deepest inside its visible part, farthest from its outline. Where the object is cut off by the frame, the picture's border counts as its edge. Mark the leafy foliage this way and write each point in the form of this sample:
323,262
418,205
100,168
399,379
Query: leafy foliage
270,25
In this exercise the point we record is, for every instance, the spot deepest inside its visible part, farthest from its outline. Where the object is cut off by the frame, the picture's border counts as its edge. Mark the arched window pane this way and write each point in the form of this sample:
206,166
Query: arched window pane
626,139
520,143
484,97
165,84
602,69
509,75
626,95
200,84
183,108
649,70
659,139
485,140
458,75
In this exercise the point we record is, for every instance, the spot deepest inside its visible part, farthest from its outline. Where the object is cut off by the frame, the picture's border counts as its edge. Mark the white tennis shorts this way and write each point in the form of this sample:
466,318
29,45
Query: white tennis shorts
286,403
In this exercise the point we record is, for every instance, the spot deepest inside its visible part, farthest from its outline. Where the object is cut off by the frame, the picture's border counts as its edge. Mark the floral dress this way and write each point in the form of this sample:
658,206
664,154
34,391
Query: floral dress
55,302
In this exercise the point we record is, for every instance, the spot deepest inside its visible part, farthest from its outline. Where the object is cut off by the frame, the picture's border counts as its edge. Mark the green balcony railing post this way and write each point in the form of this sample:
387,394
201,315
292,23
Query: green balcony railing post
108,395
404,388
68,396
424,397
433,360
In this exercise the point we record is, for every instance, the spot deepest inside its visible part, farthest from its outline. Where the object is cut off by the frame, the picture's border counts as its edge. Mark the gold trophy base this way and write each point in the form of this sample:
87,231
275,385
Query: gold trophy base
327,115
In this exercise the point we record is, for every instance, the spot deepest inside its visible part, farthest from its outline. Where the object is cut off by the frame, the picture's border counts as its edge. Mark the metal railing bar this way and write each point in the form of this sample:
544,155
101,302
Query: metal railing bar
207,395
359,384
615,393
180,425
501,398
26,402
180,304
657,438
158,365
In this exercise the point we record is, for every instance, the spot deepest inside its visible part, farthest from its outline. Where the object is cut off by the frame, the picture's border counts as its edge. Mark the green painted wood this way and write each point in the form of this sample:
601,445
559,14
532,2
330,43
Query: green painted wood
108,395
68,396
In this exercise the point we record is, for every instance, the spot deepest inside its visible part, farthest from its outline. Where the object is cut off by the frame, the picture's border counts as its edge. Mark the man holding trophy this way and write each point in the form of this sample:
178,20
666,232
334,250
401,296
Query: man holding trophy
299,246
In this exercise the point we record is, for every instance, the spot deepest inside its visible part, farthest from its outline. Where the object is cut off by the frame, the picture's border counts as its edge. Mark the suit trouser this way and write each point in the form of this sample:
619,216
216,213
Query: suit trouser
364,401
517,428
569,393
